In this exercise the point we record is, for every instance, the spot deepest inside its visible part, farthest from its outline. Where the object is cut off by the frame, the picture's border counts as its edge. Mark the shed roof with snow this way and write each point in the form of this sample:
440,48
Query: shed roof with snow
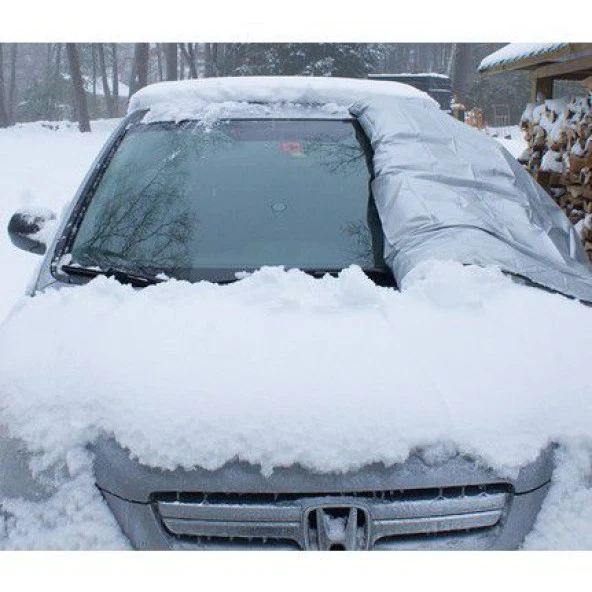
546,62
513,55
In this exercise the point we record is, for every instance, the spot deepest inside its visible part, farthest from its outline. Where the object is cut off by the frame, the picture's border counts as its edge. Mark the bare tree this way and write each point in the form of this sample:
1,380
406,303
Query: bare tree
94,75
79,93
181,60
142,53
211,53
171,61
462,71
139,77
4,121
12,83
159,61
189,55
208,60
115,70
58,64
193,51
106,89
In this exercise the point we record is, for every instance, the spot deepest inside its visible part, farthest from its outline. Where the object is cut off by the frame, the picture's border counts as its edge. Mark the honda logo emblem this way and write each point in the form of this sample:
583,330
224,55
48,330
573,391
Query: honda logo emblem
329,527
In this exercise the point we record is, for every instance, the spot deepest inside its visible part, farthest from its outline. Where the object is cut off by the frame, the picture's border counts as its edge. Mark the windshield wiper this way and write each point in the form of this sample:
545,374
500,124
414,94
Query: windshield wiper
121,275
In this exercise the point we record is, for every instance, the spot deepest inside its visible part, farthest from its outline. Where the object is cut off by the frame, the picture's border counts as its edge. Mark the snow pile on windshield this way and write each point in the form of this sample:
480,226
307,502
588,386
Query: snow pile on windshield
281,368
187,99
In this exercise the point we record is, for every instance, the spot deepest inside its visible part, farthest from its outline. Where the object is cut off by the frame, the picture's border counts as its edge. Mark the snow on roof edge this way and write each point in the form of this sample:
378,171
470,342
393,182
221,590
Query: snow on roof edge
410,75
513,52
185,94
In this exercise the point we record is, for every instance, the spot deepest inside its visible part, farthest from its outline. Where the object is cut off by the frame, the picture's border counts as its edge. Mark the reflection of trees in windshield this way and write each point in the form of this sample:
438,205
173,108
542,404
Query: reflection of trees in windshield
144,225
344,157
361,245
202,141
367,237
336,156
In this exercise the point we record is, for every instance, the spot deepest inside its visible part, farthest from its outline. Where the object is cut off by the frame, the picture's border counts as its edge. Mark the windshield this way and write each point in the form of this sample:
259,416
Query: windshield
203,203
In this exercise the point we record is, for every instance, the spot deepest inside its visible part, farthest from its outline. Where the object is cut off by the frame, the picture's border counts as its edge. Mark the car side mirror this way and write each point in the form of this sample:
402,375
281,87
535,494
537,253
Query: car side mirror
31,229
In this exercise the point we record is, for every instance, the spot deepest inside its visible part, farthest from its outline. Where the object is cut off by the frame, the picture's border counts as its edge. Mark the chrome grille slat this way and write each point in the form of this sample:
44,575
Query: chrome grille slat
438,507
227,512
389,514
235,529
434,524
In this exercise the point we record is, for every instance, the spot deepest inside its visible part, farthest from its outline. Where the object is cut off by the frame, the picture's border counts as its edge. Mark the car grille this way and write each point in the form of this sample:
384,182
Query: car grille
323,520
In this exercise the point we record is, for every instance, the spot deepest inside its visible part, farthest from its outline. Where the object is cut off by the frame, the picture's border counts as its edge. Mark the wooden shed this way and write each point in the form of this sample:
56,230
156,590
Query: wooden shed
546,62
558,131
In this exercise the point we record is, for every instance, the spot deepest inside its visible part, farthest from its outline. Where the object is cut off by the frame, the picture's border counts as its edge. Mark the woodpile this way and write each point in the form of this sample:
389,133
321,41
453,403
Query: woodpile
559,156
474,118
457,108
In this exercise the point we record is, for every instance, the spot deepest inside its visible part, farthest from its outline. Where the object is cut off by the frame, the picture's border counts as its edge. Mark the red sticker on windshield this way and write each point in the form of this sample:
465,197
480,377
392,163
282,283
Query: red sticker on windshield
294,148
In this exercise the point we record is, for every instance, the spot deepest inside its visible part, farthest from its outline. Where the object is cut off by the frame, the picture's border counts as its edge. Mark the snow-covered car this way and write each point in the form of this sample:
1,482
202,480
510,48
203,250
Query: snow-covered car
215,179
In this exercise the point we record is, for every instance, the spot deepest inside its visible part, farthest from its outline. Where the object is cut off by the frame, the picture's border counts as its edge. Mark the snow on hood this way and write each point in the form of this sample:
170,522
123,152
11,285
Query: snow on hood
186,99
281,368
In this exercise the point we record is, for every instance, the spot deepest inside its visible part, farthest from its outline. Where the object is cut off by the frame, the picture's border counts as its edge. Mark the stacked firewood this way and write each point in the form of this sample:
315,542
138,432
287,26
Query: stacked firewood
559,156
474,118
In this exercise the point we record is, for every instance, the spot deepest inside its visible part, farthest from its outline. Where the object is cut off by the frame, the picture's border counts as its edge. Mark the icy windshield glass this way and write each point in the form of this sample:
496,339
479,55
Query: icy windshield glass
202,203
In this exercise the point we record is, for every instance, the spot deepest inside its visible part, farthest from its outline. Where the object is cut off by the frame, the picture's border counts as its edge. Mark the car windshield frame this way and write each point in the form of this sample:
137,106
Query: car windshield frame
380,274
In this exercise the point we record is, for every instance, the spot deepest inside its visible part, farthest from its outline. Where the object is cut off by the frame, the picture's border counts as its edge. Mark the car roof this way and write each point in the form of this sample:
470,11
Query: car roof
330,97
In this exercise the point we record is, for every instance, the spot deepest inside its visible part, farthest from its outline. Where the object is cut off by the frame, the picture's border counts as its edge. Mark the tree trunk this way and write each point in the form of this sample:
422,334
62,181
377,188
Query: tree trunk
159,62
139,77
142,54
12,83
190,59
462,71
181,59
450,63
133,76
215,68
79,94
208,60
94,76
57,77
4,122
171,62
115,70
192,48
106,89
51,84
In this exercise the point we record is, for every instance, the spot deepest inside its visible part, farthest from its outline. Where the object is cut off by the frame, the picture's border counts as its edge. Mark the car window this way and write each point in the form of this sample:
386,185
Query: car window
186,199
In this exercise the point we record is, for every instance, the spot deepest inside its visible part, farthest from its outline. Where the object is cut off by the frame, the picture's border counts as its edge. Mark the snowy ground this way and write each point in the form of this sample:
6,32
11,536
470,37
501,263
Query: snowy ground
510,137
500,331
39,166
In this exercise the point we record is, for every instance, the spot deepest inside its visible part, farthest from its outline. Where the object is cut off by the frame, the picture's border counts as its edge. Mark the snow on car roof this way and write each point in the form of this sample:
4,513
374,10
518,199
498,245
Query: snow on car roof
514,52
177,100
